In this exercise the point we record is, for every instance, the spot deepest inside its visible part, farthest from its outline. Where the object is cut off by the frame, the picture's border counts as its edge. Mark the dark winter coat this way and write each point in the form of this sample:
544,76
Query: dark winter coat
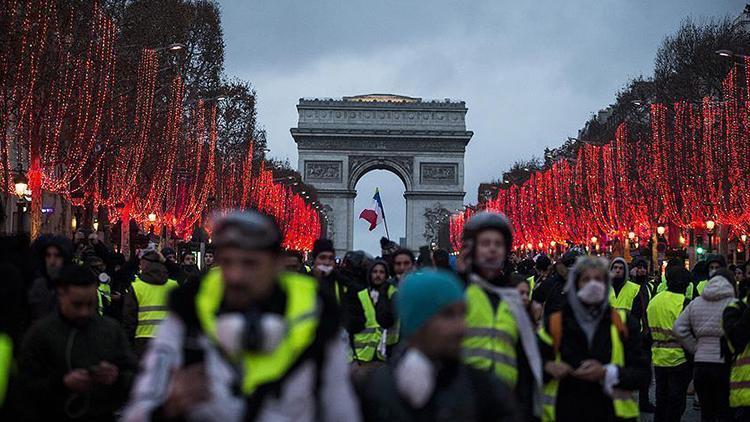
462,393
549,292
52,348
574,350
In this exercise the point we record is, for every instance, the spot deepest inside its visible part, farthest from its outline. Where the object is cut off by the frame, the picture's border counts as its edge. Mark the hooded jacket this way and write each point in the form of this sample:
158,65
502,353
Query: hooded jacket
698,328
384,309
42,295
576,348
625,278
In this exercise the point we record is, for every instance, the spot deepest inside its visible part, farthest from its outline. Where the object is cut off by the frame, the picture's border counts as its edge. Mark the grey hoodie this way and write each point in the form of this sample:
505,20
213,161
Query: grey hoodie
698,328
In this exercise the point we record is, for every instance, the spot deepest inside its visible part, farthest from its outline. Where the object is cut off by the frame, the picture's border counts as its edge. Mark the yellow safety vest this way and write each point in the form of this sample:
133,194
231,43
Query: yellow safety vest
532,282
301,316
104,293
662,312
491,336
6,360
627,295
739,380
701,285
662,287
625,407
366,342
152,305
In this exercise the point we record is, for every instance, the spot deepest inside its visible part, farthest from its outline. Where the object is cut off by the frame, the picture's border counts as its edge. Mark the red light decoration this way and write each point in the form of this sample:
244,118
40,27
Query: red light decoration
96,147
692,167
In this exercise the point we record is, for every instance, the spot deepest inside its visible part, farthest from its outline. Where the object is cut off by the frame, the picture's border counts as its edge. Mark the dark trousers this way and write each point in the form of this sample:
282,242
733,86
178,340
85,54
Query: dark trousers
711,382
741,414
671,390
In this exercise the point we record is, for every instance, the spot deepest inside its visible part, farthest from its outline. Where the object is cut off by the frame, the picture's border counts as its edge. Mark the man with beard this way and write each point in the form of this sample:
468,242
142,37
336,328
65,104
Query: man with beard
146,303
74,360
53,252
372,317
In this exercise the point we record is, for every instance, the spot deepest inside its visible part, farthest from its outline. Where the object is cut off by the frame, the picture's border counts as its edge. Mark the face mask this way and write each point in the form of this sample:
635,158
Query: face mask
325,269
711,273
104,278
592,293
415,378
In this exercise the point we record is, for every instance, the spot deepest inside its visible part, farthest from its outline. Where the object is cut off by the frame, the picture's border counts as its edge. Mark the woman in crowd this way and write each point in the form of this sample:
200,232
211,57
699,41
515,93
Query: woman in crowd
698,329
593,351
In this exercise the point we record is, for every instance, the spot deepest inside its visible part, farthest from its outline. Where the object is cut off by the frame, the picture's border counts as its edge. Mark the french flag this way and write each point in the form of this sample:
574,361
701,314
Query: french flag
375,214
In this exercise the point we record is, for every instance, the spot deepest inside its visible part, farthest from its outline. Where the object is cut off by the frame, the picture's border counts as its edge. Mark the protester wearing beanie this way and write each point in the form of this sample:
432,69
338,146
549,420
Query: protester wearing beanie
427,381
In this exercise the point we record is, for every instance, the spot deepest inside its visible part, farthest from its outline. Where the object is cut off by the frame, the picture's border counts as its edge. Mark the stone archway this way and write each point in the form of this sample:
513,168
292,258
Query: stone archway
422,142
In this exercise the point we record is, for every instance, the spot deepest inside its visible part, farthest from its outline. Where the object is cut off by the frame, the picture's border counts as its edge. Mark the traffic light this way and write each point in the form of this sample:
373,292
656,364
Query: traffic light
699,250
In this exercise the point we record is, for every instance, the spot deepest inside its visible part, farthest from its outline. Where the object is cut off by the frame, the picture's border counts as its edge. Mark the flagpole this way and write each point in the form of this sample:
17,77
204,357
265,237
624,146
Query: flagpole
385,220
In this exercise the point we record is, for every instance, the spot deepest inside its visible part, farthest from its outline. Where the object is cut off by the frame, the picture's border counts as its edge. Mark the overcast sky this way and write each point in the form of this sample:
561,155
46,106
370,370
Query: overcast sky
531,72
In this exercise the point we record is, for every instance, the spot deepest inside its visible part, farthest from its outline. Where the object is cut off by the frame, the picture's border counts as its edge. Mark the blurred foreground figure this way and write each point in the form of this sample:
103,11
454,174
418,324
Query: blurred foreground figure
75,364
428,382
248,342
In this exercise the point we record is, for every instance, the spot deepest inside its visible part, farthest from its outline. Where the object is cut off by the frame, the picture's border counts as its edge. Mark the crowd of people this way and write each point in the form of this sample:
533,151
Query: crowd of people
260,333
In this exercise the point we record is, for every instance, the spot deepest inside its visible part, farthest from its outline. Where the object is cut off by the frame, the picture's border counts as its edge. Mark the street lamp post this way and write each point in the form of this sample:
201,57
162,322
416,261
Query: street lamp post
710,224
21,184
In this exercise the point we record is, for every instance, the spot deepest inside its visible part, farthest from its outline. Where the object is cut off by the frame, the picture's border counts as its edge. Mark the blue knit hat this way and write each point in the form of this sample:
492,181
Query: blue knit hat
422,295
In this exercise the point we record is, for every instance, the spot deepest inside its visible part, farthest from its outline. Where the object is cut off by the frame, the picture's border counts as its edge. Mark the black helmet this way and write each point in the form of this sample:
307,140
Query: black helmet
488,221
247,230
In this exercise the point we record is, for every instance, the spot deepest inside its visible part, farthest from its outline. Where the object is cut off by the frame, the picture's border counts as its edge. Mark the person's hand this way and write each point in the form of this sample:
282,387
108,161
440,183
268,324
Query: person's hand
536,310
78,380
188,387
106,373
162,259
558,370
590,370
116,296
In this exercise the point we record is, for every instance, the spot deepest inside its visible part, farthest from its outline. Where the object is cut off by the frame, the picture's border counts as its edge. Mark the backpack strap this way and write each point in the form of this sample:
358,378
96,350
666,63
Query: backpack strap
555,330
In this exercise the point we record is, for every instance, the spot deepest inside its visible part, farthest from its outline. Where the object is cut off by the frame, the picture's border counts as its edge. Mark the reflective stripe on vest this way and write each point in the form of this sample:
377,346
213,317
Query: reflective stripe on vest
301,317
492,335
624,404
152,305
739,380
366,342
662,312
627,295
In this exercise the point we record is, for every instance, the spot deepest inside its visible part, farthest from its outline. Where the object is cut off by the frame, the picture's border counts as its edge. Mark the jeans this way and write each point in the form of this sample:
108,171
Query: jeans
711,382
671,391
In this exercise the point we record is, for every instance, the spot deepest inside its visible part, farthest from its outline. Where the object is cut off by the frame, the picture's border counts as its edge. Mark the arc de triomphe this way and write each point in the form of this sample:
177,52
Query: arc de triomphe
422,142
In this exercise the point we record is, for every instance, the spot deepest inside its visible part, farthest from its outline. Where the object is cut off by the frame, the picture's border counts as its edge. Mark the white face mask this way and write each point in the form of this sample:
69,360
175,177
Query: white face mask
415,378
711,273
325,269
592,293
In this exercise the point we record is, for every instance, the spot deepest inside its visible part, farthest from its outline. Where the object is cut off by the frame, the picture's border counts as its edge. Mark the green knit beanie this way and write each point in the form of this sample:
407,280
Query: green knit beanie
423,295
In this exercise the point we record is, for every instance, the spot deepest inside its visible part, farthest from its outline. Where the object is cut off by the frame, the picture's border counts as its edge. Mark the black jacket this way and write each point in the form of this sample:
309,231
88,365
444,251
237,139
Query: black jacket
461,394
574,350
736,324
52,348
549,292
